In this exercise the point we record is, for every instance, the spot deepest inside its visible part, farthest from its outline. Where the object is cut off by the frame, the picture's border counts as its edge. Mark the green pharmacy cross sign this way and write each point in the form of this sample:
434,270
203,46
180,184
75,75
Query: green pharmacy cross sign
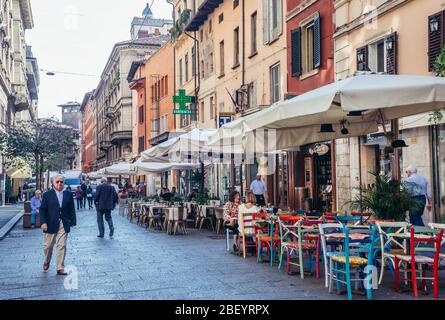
182,99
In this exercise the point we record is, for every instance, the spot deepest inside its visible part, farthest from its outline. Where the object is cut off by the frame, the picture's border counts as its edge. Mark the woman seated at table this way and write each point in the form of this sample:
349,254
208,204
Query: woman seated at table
246,210
231,217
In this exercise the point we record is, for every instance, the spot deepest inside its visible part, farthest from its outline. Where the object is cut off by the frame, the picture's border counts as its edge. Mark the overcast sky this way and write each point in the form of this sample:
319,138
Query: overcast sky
76,36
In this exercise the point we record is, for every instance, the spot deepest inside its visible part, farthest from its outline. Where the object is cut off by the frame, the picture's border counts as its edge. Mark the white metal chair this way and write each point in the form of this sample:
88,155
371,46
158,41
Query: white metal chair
325,229
390,244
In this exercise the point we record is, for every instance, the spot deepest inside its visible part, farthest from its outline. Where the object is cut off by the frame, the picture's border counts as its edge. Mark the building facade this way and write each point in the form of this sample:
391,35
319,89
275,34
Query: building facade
242,67
147,25
114,100
393,37
87,133
72,117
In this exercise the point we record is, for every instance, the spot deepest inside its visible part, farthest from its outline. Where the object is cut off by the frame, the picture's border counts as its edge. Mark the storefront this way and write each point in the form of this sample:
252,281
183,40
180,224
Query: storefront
438,183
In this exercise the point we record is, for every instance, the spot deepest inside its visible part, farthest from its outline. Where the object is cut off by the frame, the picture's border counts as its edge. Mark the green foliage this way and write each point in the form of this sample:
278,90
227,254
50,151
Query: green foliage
387,198
153,197
38,143
180,24
436,116
202,197
176,199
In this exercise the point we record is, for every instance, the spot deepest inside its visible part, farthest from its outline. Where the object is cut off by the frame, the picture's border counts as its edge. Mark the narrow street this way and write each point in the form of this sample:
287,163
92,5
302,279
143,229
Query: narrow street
137,264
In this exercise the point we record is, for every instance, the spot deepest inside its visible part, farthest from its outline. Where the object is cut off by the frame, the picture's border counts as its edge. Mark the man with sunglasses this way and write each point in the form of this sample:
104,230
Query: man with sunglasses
58,215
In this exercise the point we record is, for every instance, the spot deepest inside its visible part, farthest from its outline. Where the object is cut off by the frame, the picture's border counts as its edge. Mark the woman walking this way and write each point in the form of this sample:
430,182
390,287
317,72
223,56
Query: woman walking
78,194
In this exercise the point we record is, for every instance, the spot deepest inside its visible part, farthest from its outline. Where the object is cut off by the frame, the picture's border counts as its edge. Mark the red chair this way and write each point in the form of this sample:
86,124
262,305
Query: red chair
416,262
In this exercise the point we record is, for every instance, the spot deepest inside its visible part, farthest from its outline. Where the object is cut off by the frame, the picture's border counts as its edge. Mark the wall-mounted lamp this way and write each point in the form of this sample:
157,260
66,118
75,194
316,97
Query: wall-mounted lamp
434,24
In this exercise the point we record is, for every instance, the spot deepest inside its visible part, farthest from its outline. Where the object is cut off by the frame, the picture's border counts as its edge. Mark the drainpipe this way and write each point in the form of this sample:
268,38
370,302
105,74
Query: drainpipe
174,57
197,74
243,70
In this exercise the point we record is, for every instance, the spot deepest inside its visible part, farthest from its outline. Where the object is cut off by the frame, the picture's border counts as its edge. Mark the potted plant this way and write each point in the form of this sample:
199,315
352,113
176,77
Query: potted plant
386,199
176,200
202,198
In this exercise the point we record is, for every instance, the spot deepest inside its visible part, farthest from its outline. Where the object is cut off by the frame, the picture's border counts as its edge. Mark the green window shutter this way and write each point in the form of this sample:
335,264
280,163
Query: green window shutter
296,52
317,41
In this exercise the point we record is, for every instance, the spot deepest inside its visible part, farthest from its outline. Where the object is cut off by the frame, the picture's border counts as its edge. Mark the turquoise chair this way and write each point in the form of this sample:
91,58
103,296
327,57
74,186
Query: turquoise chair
356,256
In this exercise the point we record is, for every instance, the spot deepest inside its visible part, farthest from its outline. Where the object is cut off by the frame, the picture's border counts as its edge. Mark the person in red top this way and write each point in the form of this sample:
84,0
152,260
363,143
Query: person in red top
79,195
231,217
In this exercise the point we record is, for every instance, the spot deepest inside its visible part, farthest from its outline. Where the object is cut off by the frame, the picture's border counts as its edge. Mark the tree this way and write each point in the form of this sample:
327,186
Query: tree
38,143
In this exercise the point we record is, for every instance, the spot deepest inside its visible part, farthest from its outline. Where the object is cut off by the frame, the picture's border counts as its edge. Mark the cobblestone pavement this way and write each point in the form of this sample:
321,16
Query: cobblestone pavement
138,264
8,212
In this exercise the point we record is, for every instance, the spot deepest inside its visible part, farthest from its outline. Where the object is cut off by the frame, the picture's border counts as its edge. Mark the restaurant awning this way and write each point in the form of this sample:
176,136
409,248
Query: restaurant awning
142,168
121,168
359,104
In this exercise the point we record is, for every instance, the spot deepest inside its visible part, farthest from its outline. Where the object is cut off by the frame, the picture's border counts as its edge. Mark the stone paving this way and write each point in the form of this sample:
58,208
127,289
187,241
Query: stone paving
138,264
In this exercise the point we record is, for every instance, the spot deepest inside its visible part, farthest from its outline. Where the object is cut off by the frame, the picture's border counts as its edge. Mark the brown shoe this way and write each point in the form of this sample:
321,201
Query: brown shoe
61,272
46,266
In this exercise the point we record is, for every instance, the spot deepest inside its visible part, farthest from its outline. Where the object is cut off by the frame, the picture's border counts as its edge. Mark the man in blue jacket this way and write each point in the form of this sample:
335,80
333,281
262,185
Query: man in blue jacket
58,215
105,200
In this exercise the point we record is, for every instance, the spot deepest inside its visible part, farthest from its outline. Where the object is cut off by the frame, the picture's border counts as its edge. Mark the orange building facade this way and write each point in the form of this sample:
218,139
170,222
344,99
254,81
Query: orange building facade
88,132
159,72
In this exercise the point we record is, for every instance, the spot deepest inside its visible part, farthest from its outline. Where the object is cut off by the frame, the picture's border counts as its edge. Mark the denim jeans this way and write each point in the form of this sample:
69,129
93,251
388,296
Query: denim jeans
33,216
415,216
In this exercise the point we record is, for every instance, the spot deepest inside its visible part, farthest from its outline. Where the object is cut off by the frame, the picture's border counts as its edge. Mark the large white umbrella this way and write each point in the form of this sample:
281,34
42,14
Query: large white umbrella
379,98
158,153
141,167
121,168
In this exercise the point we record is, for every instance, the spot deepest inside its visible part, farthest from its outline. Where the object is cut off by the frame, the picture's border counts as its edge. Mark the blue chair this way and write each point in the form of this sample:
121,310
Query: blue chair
349,219
356,256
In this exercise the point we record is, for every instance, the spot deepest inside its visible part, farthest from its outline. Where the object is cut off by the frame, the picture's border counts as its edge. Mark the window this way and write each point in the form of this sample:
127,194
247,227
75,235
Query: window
210,25
306,47
201,35
273,20
180,72
141,114
436,37
141,146
236,47
380,56
221,18
166,85
221,58
162,86
235,3
193,61
221,107
212,108
211,63
252,95
185,4
253,29
202,69
201,112
186,67
275,83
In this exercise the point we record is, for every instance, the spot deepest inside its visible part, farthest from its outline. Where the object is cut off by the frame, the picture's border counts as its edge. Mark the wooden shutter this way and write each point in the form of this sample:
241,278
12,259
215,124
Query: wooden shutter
391,54
317,41
435,39
362,66
266,24
296,52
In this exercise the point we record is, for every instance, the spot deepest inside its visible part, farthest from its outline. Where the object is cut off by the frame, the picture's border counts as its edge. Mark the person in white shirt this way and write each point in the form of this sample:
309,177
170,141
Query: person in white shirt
259,189
420,192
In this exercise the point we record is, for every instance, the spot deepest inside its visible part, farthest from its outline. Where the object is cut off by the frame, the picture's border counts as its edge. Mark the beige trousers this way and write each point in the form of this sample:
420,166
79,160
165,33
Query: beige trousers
60,240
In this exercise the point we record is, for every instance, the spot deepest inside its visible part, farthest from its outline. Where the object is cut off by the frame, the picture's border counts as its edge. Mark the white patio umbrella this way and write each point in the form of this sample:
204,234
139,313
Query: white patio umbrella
375,98
158,153
141,167
121,168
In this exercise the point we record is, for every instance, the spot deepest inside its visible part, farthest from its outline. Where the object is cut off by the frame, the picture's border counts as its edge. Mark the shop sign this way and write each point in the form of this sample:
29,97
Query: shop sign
182,99
224,118
320,149
373,139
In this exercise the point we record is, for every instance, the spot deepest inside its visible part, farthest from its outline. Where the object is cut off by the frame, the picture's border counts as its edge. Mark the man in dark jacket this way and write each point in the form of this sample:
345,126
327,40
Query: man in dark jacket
84,188
105,200
58,215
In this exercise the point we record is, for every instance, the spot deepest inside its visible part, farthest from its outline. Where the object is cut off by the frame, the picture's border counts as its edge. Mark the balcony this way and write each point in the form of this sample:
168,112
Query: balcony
105,145
109,112
119,136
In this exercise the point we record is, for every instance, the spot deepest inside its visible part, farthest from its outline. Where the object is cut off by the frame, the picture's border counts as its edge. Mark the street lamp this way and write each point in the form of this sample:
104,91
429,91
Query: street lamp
434,24
389,44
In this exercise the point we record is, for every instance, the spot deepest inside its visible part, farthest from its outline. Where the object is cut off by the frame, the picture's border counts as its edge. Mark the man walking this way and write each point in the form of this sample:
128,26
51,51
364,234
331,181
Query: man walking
258,187
84,188
58,215
105,200
420,192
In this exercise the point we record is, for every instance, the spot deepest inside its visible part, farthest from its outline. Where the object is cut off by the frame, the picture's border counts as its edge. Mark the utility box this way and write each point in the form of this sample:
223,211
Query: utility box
27,215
